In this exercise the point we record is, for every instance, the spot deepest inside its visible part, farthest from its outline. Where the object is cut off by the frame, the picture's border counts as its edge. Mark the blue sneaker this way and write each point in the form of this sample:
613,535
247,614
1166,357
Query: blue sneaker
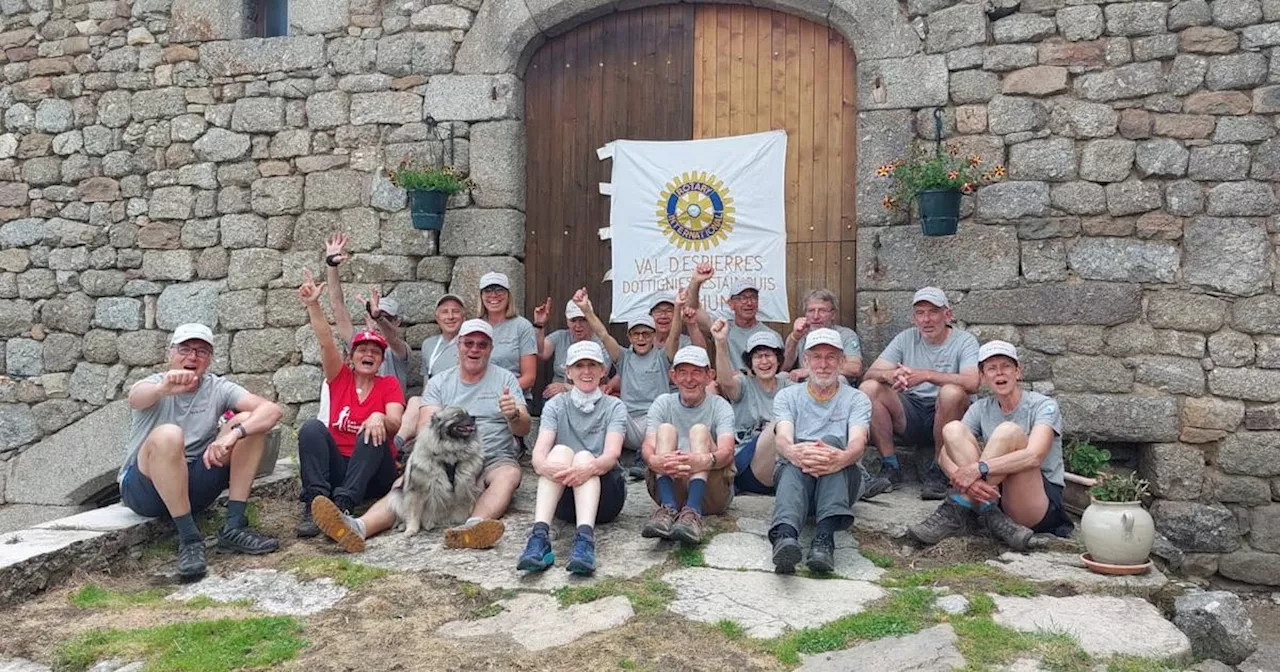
537,554
582,560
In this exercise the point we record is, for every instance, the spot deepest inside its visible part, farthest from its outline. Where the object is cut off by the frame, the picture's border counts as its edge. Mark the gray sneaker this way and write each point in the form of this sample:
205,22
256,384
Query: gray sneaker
948,520
1007,530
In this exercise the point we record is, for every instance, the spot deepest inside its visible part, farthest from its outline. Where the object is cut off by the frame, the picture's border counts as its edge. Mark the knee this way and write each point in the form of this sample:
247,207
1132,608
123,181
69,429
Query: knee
1006,431
700,437
560,456
582,457
871,388
313,432
952,395
167,438
955,431
667,433
506,476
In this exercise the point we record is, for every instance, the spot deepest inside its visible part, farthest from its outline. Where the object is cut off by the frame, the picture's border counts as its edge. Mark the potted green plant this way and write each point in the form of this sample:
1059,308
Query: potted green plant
1117,530
1084,461
934,181
429,190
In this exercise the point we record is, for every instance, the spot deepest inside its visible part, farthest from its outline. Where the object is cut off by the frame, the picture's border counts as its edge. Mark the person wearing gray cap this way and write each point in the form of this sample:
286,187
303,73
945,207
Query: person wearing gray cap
820,312
642,366
821,429
744,302
1004,460
179,460
752,393
921,382
688,447
555,346
384,314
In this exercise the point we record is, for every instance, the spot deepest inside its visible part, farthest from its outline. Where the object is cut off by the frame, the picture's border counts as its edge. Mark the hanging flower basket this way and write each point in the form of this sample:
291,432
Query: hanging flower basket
935,180
429,190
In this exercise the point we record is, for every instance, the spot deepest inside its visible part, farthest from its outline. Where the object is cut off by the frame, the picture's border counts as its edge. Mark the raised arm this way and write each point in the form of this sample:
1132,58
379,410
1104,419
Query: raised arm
677,325
385,326
611,345
540,314
726,376
334,254
701,273
309,293
791,350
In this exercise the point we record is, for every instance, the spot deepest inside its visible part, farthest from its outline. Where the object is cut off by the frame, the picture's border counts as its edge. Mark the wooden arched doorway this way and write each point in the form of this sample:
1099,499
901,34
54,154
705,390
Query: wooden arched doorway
679,72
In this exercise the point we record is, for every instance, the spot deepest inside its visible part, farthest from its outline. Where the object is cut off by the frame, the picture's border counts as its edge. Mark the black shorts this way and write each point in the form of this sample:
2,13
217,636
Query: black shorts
203,487
1055,520
918,412
613,494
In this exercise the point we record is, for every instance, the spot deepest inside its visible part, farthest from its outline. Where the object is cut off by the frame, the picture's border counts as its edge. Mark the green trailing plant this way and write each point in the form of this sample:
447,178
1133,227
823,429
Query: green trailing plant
445,179
1085,459
1114,488
928,169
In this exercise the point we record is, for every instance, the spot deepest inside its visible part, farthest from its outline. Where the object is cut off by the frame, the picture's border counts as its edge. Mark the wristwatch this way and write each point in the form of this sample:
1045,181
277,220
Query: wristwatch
243,432
983,470
713,460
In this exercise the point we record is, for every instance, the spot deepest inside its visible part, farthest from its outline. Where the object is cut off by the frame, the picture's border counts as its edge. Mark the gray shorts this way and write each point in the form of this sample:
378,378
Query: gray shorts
637,426
919,414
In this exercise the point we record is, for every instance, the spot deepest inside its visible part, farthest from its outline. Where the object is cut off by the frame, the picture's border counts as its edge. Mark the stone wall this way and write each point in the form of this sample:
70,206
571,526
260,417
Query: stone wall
155,168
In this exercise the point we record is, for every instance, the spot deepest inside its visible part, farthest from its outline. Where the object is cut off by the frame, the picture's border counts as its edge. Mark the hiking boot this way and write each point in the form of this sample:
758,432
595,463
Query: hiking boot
688,527
894,474
479,534
338,526
306,527
875,486
582,561
537,554
636,472
935,484
191,564
1005,529
786,553
246,541
948,520
659,525
822,553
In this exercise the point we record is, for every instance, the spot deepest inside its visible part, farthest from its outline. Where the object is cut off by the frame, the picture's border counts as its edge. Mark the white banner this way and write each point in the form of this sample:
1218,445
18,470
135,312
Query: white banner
677,204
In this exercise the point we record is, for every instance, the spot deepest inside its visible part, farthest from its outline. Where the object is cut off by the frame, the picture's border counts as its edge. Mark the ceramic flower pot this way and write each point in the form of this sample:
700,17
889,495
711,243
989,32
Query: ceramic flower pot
426,209
939,211
1075,496
1118,533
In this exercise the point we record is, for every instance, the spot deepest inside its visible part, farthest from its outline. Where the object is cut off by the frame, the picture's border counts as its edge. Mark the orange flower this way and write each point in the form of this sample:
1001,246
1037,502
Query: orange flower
998,171
953,149
953,175
974,160
986,177
967,188
889,202
884,171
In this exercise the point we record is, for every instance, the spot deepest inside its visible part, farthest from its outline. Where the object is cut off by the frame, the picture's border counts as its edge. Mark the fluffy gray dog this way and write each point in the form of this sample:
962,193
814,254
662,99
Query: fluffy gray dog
442,473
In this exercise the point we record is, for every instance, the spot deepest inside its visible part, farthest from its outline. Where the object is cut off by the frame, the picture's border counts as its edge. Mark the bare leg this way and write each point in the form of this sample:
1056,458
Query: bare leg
953,401
1022,494
549,491
586,497
500,483
762,463
245,457
887,415
378,519
668,441
163,460
700,441
960,448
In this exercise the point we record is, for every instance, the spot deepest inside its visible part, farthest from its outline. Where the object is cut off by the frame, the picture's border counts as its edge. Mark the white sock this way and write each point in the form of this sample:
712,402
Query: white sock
472,521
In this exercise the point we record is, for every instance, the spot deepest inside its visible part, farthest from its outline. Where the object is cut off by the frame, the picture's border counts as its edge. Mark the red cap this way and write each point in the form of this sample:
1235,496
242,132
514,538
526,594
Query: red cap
366,336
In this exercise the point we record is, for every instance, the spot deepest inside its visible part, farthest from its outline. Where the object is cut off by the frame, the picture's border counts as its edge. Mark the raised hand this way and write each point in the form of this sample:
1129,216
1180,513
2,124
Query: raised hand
703,272
582,301
309,292
507,405
179,381
542,311
720,331
801,327
335,247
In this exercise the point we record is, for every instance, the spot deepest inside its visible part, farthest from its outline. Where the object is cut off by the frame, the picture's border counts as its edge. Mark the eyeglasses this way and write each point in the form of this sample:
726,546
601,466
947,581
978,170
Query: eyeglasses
474,344
490,291
187,351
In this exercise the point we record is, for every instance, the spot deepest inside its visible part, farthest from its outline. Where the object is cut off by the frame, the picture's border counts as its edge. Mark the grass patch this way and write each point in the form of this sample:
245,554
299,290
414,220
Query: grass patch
648,593
981,604
94,596
470,590
905,612
1136,664
690,556
489,610
198,646
881,560
731,629
985,645
342,571
967,577
213,521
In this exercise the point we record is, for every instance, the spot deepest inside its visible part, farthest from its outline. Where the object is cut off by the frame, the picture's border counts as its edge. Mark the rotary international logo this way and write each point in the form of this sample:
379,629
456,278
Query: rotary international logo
695,211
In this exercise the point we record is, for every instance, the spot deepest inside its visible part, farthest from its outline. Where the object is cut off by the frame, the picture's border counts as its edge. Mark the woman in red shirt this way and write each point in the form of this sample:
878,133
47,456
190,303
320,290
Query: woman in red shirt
351,457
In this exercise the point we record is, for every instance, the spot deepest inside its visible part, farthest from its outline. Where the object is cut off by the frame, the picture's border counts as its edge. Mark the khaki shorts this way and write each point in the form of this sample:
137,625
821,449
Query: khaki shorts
719,490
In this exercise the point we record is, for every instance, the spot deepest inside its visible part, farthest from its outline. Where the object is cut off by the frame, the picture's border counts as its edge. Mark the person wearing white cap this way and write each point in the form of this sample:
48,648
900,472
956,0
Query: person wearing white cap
663,309
554,346
921,382
751,392
178,459
643,368
576,458
688,447
822,429
744,301
515,347
383,314
820,312
1004,460
491,394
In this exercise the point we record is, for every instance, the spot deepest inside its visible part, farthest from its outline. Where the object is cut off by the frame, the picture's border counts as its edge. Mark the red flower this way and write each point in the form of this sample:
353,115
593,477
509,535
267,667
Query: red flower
974,160
889,202
967,188
953,149
953,175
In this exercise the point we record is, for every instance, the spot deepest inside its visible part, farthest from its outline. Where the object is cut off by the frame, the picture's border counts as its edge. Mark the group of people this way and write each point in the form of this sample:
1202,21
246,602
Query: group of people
766,415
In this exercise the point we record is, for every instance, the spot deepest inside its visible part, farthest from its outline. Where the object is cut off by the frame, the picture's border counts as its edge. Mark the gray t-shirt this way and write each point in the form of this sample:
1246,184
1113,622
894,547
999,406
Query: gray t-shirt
512,339
813,420
957,353
196,413
714,412
438,355
754,407
394,365
852,344
560,340
644,378
1033,409
480,399
583,431
738,337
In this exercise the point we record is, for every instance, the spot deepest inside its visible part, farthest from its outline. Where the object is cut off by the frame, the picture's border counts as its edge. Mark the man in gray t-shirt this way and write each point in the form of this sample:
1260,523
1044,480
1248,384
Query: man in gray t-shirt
1004,460
921,382
744,303
821,429
179,458
479,397
820,311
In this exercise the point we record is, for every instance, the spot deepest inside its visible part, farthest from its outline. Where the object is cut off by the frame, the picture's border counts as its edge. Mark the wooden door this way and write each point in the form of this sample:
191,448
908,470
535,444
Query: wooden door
678,72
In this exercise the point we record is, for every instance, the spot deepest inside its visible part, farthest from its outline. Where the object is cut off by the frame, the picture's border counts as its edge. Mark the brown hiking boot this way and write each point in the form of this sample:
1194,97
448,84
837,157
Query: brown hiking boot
659,525
480,534
948,520
688,527
337,525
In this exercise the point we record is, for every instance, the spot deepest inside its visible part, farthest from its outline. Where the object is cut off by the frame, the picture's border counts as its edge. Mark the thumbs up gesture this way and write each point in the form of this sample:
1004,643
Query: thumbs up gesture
507,405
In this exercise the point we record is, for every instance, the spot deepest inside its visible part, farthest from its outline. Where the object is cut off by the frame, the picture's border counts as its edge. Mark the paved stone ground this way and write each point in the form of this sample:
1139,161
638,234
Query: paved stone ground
272,591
